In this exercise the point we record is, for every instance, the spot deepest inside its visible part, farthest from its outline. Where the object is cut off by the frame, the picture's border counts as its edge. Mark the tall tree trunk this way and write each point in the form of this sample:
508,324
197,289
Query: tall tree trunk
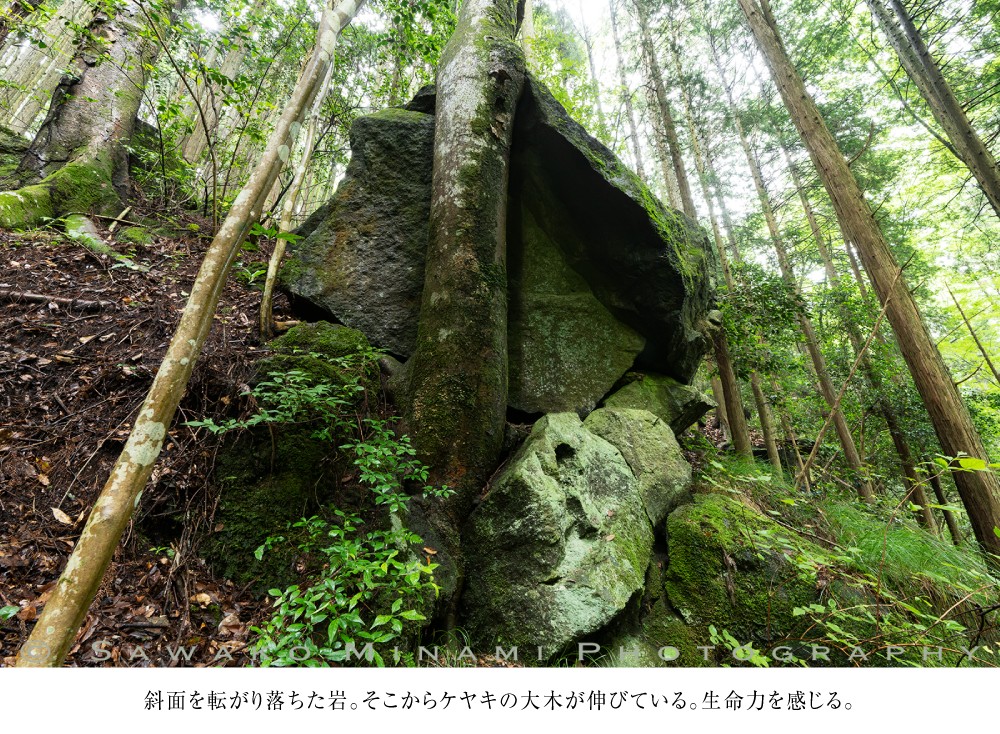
980,490
34,72
915,489
809,333
79,581
627,97
926,76
666,119
458,373
593,69
79,156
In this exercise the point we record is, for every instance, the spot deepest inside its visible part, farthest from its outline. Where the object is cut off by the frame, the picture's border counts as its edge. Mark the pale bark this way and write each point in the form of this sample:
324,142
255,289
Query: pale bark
34,72
211,97
627,97
980,490
78,583
593,70
925,74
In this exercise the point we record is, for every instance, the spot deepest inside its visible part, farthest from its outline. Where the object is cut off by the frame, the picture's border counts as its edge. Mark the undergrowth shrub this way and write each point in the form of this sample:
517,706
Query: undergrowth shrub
359,570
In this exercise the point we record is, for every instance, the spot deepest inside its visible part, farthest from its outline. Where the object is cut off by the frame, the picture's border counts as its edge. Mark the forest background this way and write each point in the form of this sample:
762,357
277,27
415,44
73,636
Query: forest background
683,93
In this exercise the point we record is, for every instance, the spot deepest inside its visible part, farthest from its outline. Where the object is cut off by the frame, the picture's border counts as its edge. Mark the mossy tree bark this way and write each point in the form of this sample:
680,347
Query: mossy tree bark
980,490
458,373
78,160
80,579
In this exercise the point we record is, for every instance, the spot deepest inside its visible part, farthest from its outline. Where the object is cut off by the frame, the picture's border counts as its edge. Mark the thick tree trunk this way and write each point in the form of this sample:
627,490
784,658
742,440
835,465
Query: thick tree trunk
78,158
458,373
980,490
79,581
925,74
627,97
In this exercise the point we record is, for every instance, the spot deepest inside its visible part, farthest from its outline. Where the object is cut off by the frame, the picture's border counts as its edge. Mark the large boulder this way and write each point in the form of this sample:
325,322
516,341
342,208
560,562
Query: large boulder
565,349
651,452
561,543
653,268
679,406
598,272
363,258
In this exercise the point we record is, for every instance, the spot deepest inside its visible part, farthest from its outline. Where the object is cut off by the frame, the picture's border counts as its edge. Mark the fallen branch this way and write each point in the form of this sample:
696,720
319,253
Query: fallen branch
71,303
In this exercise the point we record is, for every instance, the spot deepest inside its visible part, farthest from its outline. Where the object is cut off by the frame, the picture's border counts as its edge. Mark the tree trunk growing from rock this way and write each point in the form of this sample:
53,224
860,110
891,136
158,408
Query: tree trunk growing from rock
458,373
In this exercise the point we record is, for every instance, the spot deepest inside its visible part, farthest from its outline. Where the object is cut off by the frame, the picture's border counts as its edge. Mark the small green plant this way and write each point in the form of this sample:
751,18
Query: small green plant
745,653
359,571
248,273
8,612
163,551
325,622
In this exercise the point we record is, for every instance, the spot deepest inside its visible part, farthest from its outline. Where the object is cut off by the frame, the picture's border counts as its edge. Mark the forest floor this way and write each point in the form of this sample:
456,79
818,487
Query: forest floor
81,338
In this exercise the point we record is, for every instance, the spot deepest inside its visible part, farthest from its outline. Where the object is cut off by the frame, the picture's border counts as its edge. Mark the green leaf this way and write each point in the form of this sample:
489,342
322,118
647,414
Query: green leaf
972,464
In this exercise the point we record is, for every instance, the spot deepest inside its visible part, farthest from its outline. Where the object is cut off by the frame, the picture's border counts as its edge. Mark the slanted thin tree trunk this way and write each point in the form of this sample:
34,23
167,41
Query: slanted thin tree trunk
666,118
458,373
627,97
915,489
79,581
811,342
980,490
926,76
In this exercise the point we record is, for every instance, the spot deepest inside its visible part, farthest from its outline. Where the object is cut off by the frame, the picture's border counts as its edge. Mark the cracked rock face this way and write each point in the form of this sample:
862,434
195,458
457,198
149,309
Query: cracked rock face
599,275
562,541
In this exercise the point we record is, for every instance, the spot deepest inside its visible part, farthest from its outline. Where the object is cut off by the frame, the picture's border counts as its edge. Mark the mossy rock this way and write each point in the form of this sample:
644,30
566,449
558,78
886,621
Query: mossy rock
136,235
276,476
267,482
733,569
295,350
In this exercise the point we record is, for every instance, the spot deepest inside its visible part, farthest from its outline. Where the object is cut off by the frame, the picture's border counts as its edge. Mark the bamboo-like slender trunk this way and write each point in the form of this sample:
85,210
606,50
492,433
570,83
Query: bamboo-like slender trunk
666,118
915,489
809,333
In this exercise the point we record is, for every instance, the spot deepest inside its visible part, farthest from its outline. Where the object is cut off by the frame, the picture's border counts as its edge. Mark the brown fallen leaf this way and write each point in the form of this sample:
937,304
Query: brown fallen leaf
60,515
610,537
43,479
